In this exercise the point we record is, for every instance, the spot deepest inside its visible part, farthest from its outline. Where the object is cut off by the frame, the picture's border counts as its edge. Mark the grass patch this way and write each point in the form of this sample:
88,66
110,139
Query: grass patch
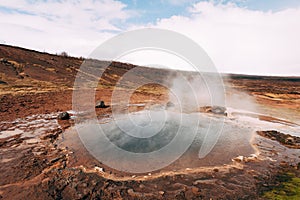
288,188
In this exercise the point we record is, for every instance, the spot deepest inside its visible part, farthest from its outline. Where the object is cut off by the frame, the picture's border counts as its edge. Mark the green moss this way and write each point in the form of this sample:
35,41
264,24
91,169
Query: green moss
288,189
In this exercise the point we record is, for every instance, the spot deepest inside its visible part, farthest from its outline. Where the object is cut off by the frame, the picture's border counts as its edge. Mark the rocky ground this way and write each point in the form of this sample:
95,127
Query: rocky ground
42,157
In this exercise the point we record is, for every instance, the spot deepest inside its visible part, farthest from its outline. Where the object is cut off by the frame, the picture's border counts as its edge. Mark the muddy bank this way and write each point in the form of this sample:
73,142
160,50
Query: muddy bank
39,160
41,167
42,157
284,139
23,105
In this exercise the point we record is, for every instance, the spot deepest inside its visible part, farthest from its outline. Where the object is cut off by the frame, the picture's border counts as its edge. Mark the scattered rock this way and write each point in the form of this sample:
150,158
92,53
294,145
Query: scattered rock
32,141
99,169
284,139
219,110
289,140
130,192
3,82
55,159
238,159
5,61
101,104
251,158
284,164
170,104
195,190
64,116
38,153
52,135
216,170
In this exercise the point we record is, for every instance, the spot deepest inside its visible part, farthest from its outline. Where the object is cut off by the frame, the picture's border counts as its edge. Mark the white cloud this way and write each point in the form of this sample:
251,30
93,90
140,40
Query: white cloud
73,26
238,40
243,41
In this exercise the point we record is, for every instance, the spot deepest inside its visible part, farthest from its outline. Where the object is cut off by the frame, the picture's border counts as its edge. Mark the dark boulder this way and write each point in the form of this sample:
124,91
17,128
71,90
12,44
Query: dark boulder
63,116
287,140
5,61
170,104
219,110
101,104
3,82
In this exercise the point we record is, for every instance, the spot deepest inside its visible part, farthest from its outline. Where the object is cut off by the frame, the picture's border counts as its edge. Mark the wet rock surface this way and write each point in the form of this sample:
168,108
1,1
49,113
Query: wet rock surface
63,116
284,139
219,110
101,104
2,82
170,105
49,168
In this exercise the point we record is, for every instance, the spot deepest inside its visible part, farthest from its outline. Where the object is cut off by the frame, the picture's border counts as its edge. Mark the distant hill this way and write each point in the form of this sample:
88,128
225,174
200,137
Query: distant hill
24,68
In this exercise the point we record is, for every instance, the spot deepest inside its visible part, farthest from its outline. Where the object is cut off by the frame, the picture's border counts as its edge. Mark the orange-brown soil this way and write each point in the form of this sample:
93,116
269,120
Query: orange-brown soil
35,87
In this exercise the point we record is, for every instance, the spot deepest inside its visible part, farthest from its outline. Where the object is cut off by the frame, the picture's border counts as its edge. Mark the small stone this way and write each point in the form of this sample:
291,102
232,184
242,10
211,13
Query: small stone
195,190
218,110
64,116
99,169
101,104
130,192
284,164
251,158
38,153
289,140
253,155
32,141
216,170
55,159
170,104
3,82
238,159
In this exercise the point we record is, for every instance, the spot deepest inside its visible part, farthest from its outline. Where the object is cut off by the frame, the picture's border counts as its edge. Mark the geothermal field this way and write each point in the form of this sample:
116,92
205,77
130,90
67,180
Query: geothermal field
114,130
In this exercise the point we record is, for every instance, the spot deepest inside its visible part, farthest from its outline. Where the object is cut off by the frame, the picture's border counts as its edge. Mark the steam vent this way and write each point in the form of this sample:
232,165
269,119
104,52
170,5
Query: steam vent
74,128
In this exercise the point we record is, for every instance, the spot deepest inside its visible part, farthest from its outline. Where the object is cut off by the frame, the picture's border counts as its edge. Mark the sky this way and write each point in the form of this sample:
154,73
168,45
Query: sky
240,36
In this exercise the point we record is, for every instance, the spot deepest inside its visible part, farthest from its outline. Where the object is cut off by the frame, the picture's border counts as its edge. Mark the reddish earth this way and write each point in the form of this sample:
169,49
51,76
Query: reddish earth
39,161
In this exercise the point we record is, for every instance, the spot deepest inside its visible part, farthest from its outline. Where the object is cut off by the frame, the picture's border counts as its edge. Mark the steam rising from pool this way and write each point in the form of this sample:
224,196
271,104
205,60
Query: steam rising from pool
163,134
129,143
